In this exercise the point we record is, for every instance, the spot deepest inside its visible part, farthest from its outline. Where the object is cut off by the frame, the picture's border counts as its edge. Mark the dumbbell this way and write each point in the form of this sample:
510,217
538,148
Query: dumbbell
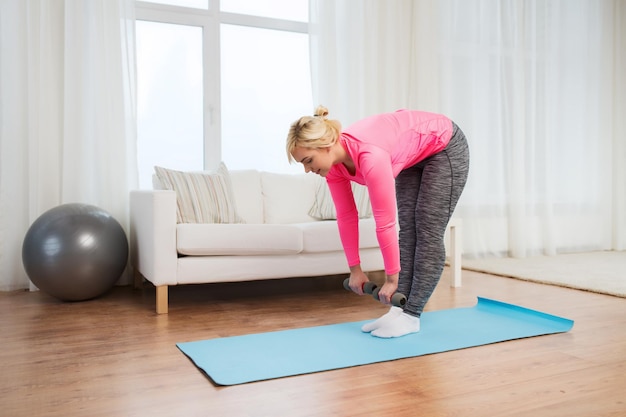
369,287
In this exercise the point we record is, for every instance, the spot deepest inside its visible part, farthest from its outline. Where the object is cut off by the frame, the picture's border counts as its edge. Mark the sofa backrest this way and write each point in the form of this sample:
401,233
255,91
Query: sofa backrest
268,197
287,198
248,194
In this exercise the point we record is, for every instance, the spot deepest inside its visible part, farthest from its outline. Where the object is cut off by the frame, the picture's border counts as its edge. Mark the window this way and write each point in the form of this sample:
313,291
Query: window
169,89
278,9
220,85
197,4
264,88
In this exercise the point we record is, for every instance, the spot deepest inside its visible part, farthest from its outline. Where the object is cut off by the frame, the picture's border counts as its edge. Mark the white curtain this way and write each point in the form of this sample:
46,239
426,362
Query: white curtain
538,88
67,114
619,127
365,59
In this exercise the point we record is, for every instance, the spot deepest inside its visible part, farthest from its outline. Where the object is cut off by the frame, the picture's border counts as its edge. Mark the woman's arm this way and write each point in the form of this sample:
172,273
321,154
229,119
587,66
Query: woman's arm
381,186
347,218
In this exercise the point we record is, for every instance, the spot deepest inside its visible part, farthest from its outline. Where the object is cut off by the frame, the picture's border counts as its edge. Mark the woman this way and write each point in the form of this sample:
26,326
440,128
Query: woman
415,165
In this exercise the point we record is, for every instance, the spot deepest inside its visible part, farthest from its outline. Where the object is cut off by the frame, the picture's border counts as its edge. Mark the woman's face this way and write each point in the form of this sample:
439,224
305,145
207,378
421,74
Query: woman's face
317,160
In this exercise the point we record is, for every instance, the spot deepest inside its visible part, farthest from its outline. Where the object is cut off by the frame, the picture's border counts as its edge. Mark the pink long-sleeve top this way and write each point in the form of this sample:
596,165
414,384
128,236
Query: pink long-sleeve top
381,146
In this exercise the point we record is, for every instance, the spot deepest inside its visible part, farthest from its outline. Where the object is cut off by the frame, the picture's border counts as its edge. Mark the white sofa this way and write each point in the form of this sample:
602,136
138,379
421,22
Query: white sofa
279,239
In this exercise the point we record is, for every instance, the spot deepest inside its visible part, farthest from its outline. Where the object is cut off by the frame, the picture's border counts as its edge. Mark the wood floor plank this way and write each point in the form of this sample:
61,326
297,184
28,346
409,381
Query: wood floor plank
114,356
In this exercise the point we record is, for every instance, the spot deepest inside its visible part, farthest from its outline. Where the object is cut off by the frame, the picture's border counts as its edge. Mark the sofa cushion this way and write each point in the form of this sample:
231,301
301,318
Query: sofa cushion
287,198
248,195
238,239
201,197
324,208
323,236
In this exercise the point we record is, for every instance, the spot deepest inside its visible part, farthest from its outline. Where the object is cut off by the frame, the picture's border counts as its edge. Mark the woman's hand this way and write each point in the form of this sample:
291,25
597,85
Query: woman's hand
357,279
388,289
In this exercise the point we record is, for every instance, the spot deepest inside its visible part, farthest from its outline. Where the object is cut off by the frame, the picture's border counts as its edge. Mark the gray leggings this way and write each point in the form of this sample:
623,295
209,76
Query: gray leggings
427,194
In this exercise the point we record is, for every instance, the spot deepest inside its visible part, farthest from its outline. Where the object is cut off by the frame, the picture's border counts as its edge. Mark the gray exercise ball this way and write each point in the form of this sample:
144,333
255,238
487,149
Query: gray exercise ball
75,252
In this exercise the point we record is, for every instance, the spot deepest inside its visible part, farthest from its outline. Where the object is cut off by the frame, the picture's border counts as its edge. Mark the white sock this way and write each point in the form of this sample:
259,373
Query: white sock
373,325
400,325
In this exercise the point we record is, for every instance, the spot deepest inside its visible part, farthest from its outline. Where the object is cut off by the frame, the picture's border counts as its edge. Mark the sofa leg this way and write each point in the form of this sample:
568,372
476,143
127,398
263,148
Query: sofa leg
161,299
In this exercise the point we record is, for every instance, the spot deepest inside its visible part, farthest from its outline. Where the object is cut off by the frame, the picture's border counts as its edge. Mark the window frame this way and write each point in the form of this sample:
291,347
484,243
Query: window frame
210,21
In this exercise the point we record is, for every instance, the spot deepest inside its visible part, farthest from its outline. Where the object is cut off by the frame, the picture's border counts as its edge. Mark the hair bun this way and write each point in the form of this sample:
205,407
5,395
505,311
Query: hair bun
321,111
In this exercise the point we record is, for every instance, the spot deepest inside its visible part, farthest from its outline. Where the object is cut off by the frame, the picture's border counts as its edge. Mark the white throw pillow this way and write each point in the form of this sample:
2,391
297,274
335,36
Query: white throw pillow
287,197
324,208
201,197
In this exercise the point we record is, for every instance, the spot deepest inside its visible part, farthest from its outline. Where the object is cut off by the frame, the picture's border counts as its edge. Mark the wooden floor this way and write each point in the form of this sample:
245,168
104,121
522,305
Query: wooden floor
114,356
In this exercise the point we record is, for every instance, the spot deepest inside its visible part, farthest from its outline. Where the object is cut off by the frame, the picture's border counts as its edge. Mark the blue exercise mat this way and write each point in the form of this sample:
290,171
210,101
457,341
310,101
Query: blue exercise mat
263,356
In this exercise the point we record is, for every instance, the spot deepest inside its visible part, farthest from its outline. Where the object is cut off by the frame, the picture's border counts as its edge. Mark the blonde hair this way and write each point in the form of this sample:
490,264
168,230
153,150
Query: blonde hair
313,132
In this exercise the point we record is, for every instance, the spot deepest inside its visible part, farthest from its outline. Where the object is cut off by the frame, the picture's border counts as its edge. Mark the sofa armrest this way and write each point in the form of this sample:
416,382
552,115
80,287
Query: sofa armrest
153,235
